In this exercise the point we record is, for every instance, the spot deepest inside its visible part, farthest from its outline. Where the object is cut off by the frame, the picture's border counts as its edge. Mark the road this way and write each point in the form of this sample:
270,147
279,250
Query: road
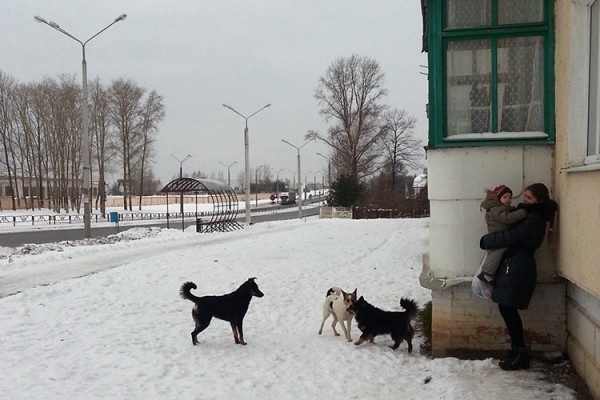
16,239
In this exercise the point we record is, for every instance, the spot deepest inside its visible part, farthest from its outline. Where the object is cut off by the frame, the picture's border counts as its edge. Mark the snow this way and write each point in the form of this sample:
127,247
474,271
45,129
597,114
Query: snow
102,319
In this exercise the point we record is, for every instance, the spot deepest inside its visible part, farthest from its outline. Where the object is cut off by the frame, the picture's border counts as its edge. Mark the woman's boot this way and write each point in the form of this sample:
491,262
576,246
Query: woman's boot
517,359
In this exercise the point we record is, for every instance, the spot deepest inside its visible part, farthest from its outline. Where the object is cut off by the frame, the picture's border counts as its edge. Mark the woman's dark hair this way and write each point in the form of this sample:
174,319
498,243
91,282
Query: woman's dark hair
541,193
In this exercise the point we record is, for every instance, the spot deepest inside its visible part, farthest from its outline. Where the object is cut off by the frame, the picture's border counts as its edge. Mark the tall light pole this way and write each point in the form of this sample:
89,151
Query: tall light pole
228,171
181,176
85,140
328,169
299,174
246,158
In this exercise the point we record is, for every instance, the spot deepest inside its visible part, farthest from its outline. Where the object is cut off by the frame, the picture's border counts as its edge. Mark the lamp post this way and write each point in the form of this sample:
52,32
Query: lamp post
328,169
229,171
85,140
299,174
181,176
246,158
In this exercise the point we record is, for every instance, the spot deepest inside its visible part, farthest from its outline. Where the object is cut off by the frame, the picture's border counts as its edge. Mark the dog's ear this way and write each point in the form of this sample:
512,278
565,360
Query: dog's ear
354,293
361,298
251,279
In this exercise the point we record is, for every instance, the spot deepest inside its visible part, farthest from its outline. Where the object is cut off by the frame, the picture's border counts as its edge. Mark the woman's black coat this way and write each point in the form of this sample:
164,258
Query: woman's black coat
516,276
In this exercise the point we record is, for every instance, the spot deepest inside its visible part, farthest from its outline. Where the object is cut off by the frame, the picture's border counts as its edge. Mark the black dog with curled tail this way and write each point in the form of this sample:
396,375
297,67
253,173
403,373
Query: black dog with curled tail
231,307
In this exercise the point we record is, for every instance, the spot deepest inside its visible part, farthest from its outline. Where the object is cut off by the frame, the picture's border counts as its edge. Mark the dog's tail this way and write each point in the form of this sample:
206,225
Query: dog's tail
184,292
334,290
410,306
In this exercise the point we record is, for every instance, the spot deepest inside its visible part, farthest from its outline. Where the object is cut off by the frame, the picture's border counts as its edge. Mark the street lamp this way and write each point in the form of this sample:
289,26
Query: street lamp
299,174
246,158
228,171
328,169
181,176
87,167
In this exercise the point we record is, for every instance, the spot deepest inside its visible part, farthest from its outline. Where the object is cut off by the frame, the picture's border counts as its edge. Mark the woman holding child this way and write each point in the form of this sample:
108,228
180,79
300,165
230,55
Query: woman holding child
515,278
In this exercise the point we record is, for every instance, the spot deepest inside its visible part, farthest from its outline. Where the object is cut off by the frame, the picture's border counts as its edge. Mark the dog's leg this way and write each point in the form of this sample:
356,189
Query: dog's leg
200,326
409,336
364,337
346,329
325,316
235,333
240,331
334,323
397,340
349,329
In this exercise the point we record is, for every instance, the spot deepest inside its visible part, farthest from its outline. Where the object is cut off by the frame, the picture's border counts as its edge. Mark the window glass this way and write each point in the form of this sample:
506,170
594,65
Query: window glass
520,11
468,13
492,82
593,146
520,84
468,86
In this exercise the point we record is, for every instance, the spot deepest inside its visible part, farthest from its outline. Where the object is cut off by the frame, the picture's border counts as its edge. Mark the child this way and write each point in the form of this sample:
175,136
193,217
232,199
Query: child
499,215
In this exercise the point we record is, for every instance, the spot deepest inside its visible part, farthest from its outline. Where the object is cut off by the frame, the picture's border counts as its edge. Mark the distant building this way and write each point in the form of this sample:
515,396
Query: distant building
419,183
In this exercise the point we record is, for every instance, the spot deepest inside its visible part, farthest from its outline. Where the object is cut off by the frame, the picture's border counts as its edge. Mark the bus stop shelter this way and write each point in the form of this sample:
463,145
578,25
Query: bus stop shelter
224,201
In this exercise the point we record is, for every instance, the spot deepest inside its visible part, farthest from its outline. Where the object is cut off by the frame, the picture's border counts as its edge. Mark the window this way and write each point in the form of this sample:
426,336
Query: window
491,66
593,131
583,129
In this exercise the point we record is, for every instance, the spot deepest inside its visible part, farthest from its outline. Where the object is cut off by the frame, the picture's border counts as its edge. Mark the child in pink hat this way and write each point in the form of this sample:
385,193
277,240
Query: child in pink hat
499,215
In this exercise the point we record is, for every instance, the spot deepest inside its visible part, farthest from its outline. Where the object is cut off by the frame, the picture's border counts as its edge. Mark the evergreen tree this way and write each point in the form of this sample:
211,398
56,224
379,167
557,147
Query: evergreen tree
344,192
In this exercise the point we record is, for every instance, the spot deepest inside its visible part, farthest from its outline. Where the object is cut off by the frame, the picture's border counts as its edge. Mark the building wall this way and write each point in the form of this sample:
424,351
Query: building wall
577,191
463,324
583,345
457,179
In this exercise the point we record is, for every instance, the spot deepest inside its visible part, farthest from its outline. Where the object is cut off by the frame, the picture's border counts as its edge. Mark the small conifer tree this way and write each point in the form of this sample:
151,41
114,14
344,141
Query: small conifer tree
344,192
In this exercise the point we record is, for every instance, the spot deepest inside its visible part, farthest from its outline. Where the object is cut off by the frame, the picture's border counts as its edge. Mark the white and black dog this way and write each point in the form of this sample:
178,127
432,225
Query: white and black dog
339,304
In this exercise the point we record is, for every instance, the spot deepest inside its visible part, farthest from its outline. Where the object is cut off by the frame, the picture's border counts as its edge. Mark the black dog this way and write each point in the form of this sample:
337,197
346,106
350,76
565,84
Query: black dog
373,321
230,307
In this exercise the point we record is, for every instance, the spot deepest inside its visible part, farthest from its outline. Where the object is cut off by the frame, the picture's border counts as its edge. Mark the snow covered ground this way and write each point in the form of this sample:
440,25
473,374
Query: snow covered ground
103,319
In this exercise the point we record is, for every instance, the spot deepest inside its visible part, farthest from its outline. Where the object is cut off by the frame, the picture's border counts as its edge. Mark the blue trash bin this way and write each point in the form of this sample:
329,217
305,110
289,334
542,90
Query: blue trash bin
114,216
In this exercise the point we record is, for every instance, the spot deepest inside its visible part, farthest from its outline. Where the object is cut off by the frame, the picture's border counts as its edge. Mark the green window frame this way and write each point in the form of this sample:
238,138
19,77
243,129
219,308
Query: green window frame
490,103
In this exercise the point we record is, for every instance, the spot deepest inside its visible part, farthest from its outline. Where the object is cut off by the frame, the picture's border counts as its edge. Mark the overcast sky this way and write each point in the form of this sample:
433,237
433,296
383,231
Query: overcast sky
201,54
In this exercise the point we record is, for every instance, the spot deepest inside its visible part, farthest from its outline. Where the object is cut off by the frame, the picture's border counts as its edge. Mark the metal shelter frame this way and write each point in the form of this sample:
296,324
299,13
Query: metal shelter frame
223,197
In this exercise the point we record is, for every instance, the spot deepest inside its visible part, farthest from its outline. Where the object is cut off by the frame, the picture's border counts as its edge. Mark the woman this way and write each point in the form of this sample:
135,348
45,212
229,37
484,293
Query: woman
516,276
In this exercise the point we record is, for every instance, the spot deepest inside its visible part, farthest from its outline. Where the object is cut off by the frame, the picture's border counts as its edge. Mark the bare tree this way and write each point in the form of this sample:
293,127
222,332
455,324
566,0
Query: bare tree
37,110
350,95
7,84
399,148
153,112
125,113
26,146
103,138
